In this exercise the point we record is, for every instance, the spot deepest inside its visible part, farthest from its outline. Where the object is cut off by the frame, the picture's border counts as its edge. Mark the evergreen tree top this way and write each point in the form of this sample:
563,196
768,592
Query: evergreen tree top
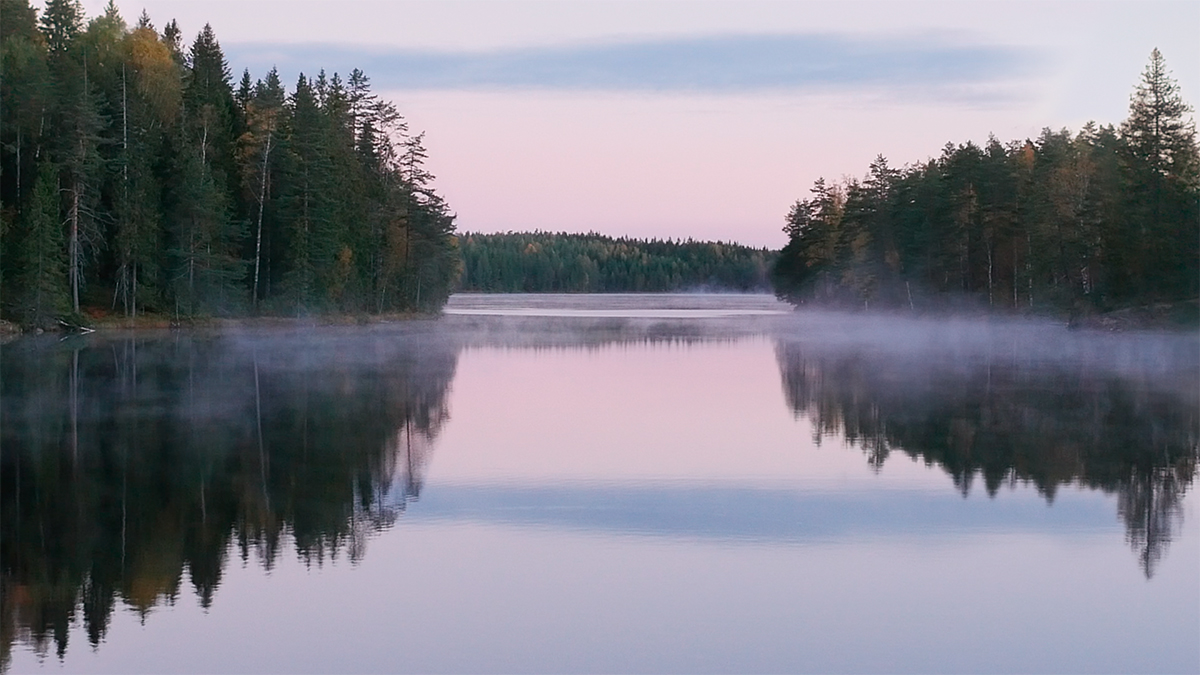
207,60
172,36
1158,130
61,23
1157,94
245,89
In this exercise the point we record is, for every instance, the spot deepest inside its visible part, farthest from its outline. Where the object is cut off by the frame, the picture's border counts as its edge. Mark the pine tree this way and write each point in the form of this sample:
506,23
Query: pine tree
1157,132
1162,174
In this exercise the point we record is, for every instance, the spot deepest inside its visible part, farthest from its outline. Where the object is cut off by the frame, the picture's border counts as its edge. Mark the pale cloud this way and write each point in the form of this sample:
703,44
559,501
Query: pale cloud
930,65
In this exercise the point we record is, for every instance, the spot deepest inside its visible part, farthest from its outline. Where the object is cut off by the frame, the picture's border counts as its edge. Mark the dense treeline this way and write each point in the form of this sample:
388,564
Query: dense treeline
1107,217
544,262
135,176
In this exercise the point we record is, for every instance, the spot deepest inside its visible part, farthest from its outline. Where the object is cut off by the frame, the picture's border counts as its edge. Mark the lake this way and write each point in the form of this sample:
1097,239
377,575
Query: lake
634,483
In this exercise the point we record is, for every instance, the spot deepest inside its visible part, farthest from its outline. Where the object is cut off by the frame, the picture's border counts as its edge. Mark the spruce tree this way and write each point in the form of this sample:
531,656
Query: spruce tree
207,237
61,22
311,239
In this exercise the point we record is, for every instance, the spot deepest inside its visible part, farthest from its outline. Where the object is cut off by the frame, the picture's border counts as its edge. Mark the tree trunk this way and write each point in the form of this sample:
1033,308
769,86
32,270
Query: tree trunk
1029,266
262,202
73,246
131,261
991,301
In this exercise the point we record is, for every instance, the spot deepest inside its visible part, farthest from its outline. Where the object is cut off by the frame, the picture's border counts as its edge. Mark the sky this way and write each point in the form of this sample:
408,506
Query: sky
699,119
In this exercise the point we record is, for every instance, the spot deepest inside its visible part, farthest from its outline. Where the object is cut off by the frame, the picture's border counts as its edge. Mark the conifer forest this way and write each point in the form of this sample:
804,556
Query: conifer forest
1099,219
275,398
139,177
543,262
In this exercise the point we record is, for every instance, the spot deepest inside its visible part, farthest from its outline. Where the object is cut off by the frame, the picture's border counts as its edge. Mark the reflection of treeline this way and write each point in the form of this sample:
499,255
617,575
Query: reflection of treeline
127,462
592,333
1099,219
1008,419
544,262
137,175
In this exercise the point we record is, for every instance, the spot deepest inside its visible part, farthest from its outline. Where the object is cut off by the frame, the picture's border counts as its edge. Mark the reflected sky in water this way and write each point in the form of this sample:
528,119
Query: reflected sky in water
603,489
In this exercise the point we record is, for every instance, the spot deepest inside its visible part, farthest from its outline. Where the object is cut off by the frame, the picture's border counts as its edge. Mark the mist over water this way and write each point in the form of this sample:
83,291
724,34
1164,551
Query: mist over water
582,483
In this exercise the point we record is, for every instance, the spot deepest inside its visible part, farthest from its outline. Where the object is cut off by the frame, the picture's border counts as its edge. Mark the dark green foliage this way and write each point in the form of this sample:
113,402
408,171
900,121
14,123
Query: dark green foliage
204,240
61,22
1162,171
1094,221
18,18
41,259
807,262
24,97
180,195
306,203
543,262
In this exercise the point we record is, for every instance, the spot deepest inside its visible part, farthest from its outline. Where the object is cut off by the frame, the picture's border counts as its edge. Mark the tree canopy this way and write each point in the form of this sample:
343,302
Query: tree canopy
135,176
542,262
1106,217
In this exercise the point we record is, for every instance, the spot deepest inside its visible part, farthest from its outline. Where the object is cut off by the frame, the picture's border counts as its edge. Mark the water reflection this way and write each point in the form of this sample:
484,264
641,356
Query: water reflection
128,461
1116,414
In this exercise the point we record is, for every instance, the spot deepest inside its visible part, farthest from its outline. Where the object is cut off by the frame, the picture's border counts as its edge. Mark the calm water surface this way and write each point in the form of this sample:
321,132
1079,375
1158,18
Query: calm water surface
603,483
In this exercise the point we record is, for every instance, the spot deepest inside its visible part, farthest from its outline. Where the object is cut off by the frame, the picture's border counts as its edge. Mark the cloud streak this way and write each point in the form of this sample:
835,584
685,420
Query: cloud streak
761,515
714,64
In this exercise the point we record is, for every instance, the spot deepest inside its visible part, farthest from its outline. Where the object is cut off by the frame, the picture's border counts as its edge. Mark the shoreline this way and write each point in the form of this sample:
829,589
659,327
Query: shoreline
1164,317
158,323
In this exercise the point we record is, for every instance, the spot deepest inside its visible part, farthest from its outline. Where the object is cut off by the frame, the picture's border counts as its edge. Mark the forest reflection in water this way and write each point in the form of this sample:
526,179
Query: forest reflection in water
129,460
1119,414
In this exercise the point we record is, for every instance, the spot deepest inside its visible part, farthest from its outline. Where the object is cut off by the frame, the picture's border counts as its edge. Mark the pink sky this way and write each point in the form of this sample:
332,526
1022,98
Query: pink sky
707,163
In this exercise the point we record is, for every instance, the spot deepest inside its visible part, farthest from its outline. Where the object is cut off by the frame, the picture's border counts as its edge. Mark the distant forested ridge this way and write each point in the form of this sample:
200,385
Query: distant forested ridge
135,176
1106,217
544,262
